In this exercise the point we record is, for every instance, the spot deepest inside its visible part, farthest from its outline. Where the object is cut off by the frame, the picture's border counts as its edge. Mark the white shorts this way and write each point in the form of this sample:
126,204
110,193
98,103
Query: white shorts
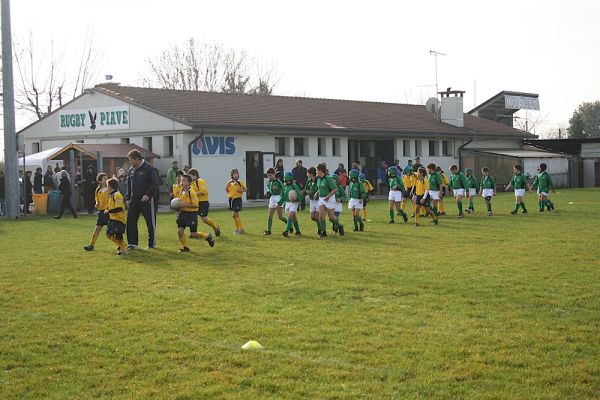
338,207
330,204
519,192
291,207
542,193
487,193
434,194
472,192
314,205
273,200
395,196
458,192
355,204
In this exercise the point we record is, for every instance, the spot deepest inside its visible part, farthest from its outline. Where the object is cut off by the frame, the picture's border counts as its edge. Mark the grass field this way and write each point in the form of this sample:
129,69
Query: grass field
506,307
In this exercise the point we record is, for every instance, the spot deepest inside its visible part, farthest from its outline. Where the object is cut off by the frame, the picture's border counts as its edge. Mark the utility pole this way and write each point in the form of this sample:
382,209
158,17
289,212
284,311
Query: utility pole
10,138
436,54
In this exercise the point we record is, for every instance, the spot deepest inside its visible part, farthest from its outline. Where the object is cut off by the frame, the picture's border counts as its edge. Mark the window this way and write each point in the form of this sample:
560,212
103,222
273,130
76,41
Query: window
35,147
281,146
300,147
433,148
335,148
447,148
168,146
406,148
125,140
148,143
322,147
418,149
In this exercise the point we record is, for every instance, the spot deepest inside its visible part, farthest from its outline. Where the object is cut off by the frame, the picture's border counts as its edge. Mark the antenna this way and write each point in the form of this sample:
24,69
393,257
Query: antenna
436,54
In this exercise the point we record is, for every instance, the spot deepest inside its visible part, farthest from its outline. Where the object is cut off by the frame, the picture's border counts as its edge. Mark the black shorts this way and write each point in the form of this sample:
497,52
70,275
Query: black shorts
425,203
235,204
203,208
115,228
365,201
102,218
188,219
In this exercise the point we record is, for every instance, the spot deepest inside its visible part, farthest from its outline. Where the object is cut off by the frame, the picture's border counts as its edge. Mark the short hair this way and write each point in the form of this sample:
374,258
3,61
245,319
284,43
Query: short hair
438,169
312,171
175,162
322,168
299,161
517,167
431,166
27,172
100,176
135,155
453,167
188,178
113,183
271,171
234,171
485,169
193,171
63,168
179,173
38,169
543,166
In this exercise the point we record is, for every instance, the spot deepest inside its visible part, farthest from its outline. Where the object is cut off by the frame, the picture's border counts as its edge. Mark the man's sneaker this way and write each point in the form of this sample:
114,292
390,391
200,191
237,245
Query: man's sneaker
217,231
210,240
286,233
89,247
341,229
524,212
513,212
405,217
266,233
184,249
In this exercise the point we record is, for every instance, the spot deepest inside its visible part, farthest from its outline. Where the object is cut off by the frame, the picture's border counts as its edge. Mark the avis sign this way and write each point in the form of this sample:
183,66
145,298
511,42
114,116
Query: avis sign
214,146
94,119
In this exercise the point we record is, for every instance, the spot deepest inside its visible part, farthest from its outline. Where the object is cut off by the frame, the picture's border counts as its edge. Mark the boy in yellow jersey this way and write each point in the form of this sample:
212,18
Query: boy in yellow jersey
199,186
116,215
422,197
444,191
187,215
101,196
177,185
235,189
368,189
408,179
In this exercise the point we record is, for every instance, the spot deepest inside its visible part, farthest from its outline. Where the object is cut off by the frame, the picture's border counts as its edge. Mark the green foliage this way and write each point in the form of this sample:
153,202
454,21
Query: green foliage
585,122
502,307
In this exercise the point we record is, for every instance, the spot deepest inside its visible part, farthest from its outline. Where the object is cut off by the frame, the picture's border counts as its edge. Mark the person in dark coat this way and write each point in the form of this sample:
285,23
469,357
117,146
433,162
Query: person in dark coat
28,192
67,192
89,188
38,181
300,178
279,170
49,179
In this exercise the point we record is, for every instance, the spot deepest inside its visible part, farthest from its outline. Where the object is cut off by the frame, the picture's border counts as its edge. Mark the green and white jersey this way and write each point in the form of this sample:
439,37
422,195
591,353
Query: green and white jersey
543,182
458,181
311,188
356,190
274,187
326,184
487,182
435,180
519,181
396,183
285,193
471,182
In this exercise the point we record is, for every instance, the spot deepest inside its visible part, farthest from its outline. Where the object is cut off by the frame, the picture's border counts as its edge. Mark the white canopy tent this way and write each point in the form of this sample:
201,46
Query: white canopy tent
40,159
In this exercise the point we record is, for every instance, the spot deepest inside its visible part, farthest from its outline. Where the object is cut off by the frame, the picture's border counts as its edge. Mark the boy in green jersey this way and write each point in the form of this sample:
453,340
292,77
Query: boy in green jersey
357,193
435,187
458,184
471,188
519,183
327,188
289,197
274,189
395,195
487,188
310,189
543,184
340,198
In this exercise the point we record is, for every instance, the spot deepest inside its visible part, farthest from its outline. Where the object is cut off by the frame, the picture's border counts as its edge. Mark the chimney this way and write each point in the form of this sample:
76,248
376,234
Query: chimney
452,107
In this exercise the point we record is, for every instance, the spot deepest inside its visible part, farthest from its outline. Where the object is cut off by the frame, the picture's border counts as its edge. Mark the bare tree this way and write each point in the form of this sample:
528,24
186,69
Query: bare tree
42,83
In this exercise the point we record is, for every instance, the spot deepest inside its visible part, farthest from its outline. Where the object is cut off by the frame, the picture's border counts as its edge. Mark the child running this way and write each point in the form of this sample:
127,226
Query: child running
395,194
340,199
471,188
422,197
187,215
177,185
408,179
356,193
116,216
274,188
435,187
289,197
543,184
519,183
310,189
445,183
488,188
362,178
101,196
326,195
458,183
199,186
235,189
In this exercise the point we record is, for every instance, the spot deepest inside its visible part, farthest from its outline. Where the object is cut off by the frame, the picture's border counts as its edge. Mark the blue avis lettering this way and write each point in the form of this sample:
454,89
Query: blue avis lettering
214,145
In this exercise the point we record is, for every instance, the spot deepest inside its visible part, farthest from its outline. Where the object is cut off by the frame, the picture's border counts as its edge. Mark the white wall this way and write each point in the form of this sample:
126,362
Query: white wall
589,173
558,168
590,150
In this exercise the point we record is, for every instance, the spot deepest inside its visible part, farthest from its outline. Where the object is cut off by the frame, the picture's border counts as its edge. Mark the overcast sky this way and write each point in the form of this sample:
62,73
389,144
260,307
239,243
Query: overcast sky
376,51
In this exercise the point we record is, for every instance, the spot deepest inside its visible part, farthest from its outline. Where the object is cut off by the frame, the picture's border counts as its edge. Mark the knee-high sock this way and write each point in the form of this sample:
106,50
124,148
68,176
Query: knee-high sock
211,223
523,206
364,213
403,204
118,242
391,214
442,207
471,205
270,224
183,240
94,238
288,224
459,206
296,226
200,235
417,216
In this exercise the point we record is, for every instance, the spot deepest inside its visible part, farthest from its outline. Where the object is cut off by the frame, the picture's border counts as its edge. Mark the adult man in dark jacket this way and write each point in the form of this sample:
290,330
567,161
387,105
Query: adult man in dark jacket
38,181
49,179
142,189
300,178
66,190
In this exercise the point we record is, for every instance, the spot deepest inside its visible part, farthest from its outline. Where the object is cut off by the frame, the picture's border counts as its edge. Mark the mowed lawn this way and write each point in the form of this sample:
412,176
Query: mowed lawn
506,307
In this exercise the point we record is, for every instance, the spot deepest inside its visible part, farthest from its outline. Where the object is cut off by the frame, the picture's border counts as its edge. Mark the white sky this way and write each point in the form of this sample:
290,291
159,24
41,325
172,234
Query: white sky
377,51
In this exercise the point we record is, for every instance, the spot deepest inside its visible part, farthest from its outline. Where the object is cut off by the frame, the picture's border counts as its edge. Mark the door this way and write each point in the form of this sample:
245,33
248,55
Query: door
254,175
268,161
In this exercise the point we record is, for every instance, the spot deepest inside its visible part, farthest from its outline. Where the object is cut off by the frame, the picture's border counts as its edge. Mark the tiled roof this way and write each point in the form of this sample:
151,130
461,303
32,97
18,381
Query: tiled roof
210,110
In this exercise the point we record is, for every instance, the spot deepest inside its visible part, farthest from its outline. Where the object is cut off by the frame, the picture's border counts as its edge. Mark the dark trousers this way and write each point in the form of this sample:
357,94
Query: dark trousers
67,204
90,201
148,210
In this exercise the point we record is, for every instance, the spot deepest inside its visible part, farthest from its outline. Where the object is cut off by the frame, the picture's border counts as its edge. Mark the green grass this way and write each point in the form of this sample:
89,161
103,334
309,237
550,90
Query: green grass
506,307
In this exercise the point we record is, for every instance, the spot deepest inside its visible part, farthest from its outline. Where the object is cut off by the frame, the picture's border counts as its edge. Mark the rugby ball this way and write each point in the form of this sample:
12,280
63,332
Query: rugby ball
293,196
176,204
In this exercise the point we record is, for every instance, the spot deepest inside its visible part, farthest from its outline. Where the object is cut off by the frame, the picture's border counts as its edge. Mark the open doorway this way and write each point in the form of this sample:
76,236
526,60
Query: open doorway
254,175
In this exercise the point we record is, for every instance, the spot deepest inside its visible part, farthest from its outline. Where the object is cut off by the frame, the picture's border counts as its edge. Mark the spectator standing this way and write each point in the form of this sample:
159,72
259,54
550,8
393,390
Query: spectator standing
172,176
279,170
66,190
27,196
300,177
38,181
142,188
49,179
417,164
254,179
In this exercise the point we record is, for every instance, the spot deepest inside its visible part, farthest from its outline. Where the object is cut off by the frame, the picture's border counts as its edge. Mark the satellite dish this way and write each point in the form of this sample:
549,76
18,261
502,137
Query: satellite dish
432,105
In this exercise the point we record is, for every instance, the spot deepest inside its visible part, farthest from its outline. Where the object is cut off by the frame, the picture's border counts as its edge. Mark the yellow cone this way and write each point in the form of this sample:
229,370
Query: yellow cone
252,345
